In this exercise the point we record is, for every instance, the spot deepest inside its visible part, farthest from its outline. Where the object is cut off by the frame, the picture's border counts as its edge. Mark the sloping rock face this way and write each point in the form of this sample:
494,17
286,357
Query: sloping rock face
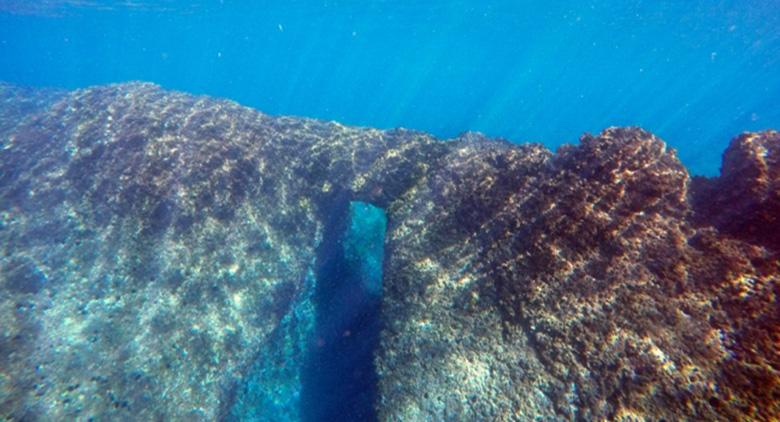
155,244
158,252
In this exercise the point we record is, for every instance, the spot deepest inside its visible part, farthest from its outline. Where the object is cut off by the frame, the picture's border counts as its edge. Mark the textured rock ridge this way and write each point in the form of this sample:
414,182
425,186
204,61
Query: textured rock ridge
580,288
158,248
744,200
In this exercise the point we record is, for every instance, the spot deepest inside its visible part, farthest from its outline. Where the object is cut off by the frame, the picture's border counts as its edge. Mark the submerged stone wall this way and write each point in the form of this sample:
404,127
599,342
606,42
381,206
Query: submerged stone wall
157,252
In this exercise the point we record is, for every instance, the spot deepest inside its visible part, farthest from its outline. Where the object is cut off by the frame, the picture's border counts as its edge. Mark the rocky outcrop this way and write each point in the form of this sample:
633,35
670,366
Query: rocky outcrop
744,200
155,245
577,286
158,255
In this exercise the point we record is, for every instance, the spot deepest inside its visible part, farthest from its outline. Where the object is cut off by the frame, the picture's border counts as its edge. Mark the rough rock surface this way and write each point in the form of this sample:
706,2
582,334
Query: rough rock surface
744,200
575,286
152,242
157,253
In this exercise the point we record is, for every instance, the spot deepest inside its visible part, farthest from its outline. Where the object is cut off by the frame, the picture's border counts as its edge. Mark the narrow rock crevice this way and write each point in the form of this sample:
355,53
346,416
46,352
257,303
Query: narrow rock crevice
339,379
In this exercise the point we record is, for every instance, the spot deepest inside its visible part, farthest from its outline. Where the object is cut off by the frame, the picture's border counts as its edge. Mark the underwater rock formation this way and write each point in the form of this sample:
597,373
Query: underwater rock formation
159,254
158,246
523,284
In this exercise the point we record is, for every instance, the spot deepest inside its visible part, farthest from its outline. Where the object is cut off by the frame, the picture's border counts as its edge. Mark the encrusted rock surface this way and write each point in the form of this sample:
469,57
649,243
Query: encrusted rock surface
158,249
153,241
576,286
744,200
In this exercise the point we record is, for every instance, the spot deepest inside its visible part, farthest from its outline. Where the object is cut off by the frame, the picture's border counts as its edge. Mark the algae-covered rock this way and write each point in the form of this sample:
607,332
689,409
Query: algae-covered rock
158,257
153,241
744,200
577,286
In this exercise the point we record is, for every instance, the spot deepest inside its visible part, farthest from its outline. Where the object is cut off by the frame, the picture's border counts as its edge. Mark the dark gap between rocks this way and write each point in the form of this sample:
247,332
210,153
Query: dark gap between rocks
339,378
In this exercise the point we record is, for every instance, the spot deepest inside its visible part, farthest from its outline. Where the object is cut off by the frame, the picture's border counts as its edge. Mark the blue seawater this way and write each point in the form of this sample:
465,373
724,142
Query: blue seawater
696,73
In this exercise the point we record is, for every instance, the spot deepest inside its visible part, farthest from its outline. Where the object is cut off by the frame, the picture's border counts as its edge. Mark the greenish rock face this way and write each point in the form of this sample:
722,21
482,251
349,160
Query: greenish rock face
155,246
270,388
364,243
274,391
171,257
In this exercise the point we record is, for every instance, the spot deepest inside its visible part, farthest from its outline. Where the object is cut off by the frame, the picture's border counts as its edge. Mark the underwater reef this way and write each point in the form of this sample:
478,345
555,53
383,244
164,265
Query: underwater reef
159,255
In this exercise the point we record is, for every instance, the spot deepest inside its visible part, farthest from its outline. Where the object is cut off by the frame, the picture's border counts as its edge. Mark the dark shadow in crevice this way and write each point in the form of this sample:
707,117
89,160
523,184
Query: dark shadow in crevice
339,378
